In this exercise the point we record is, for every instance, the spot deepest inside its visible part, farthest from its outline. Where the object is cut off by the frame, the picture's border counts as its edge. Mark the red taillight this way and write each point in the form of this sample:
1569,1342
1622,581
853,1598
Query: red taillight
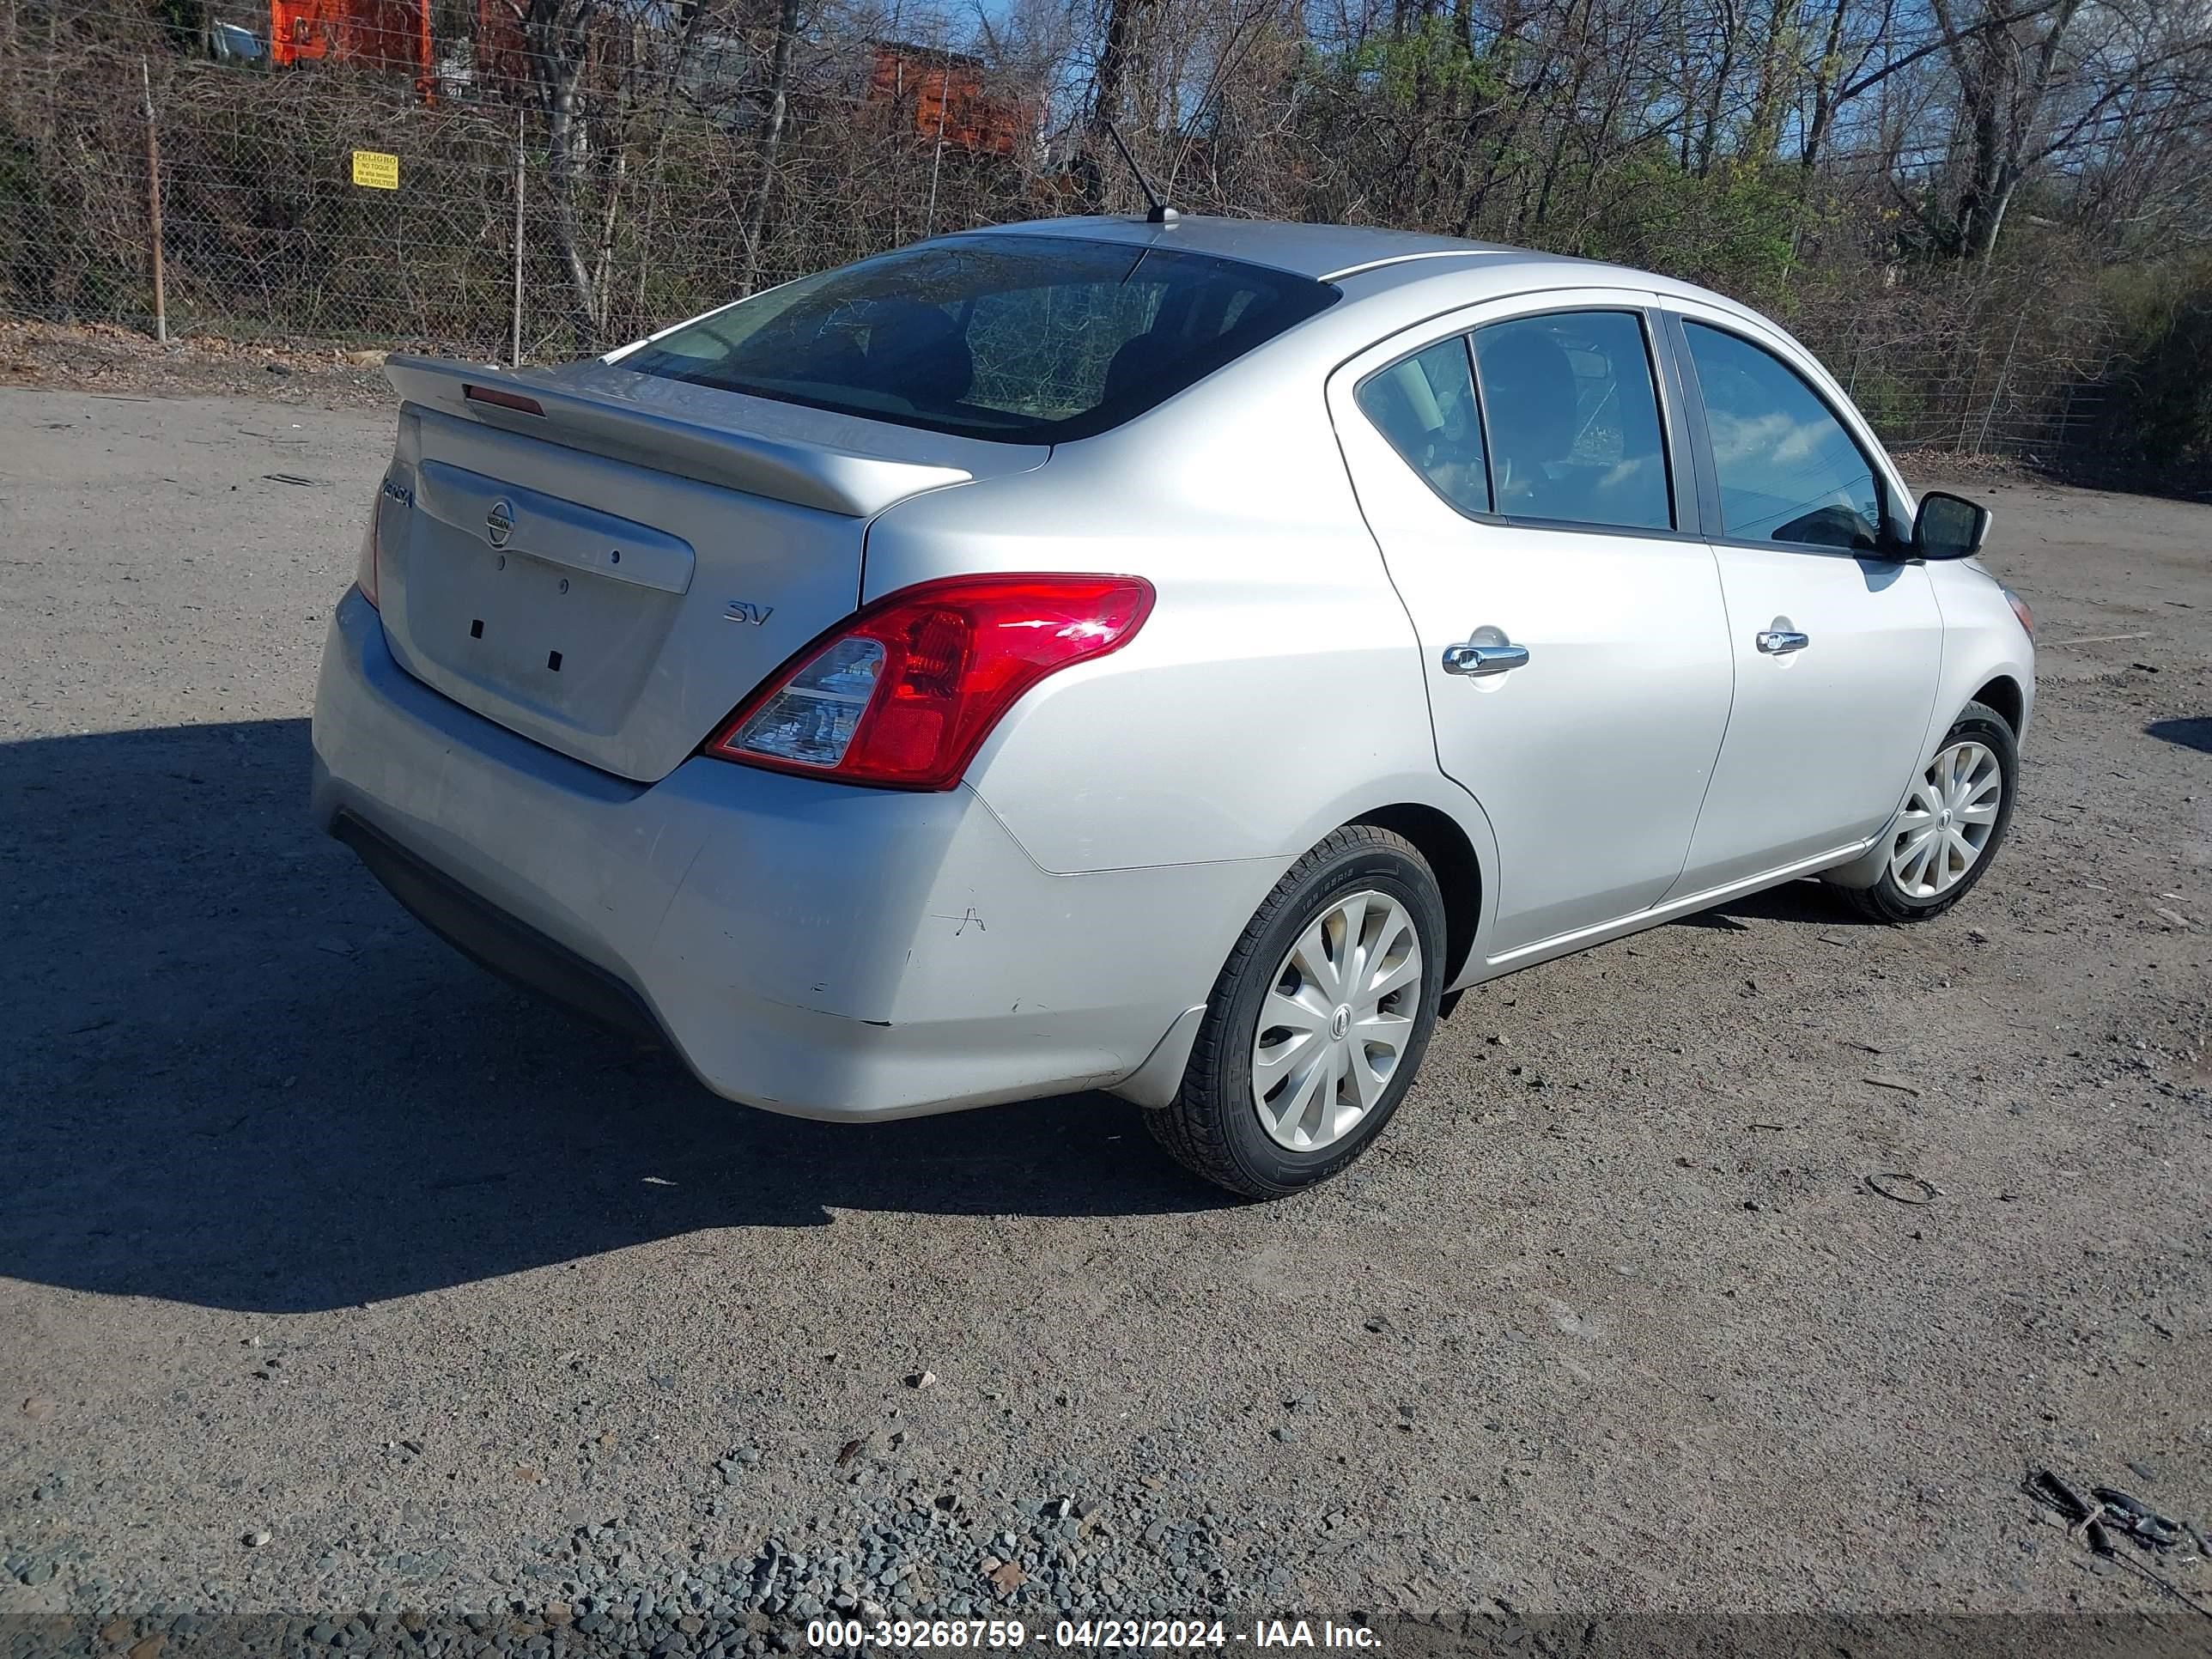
905,693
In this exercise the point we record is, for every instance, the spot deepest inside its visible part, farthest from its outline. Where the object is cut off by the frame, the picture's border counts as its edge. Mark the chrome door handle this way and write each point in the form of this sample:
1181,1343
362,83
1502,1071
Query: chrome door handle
1780,642
1479,659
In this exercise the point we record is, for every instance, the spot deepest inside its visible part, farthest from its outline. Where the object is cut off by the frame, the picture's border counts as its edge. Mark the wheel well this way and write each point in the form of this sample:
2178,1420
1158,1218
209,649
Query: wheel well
2001,694
1449,853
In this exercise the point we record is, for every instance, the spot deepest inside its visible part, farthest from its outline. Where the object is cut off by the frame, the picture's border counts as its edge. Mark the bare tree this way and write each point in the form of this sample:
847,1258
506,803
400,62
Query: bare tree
772,129
560,35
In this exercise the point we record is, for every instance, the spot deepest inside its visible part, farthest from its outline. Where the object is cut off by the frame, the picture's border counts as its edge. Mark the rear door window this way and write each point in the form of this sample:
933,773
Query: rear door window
1573,420
1026,339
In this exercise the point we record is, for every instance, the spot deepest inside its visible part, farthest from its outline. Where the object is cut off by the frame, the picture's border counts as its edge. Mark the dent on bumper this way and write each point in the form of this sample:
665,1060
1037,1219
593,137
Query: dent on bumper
812,948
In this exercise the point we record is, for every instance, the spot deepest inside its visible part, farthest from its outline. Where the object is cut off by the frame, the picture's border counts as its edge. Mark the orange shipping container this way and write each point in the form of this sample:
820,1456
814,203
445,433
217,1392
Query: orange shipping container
947,89
388,32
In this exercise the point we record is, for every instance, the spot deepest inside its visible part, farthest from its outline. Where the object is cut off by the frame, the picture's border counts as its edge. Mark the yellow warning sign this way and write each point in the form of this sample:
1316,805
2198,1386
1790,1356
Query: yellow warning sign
374,170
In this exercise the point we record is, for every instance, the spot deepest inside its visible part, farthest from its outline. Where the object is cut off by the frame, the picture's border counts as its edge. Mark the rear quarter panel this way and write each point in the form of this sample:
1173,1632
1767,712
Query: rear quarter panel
1275,691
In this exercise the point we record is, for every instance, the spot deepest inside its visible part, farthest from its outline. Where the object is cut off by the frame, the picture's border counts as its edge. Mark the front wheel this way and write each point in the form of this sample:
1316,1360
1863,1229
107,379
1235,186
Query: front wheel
1954,818
1318,1020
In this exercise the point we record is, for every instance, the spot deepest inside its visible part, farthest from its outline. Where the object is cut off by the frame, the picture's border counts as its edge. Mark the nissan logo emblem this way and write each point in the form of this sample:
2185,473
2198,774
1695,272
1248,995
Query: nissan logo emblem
498,524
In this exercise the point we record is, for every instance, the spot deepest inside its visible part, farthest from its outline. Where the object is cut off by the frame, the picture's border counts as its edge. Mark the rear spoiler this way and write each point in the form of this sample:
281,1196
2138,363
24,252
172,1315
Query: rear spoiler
809,475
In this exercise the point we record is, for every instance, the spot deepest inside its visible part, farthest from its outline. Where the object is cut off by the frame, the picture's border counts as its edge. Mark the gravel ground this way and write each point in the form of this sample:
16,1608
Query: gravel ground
337,1277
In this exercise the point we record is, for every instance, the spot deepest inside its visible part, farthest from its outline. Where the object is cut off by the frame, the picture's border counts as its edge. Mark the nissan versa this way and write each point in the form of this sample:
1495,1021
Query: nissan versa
1173,658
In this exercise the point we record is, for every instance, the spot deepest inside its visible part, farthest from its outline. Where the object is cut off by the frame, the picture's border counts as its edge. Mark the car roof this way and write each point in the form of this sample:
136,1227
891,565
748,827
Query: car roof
1320,252
1382,259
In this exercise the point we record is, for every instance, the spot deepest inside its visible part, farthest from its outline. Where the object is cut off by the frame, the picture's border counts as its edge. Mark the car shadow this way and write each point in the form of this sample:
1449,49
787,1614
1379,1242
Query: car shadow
238,1074
1809,902
2189,733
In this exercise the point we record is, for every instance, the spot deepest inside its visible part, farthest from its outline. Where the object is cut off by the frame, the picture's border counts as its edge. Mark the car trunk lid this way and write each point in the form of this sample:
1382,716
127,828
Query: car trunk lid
609,563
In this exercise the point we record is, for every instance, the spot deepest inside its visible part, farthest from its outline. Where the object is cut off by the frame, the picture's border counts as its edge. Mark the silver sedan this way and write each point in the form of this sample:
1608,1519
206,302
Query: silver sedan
1171,657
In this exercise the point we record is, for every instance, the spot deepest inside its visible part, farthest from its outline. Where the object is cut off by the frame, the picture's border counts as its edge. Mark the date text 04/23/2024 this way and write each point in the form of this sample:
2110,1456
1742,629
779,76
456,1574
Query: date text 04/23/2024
1006,1634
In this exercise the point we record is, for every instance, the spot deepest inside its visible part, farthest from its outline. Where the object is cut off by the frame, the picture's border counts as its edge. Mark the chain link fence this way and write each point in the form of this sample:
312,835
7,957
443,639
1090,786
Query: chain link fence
419,177
366,202
2004,361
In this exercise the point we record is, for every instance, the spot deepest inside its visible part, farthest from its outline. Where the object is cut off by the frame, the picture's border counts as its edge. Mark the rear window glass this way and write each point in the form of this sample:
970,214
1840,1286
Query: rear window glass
1025,339
1425,406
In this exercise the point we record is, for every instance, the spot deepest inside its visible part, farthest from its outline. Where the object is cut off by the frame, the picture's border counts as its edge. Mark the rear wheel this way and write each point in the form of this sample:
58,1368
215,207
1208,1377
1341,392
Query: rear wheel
1318,1021
1954,818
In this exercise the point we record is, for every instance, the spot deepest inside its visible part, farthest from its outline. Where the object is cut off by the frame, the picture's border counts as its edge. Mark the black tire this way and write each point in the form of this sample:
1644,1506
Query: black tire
1212,1126
1885,900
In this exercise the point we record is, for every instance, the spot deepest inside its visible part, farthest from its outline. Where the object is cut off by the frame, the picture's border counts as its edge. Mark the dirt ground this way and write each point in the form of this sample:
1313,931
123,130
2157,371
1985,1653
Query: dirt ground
334,1273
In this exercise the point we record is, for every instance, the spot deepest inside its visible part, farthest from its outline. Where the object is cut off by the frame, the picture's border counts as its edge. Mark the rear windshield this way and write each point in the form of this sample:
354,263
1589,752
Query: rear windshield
1025,339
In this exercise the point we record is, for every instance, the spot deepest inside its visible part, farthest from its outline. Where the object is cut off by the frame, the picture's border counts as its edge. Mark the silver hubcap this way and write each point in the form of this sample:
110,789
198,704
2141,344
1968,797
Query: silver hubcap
1948,820
1336,1020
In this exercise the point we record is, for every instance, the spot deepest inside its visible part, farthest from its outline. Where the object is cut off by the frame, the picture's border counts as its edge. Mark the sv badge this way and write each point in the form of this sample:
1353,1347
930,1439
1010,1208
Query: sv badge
744,611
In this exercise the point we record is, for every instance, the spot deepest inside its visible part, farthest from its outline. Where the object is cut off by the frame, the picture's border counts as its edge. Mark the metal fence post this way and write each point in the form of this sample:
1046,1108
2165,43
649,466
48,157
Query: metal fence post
937,156
154,204
514,353
1997,392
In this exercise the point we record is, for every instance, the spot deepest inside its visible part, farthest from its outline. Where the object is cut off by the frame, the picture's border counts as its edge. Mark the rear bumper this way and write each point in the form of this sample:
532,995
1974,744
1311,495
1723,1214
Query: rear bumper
495,940
807,947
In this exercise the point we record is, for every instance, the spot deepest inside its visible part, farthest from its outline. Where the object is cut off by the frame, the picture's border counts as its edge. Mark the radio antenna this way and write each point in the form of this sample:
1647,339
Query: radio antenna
1161,213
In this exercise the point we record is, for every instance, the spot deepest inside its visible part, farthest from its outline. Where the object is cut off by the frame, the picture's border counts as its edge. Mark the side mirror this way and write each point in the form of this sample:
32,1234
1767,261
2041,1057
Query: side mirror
1948,527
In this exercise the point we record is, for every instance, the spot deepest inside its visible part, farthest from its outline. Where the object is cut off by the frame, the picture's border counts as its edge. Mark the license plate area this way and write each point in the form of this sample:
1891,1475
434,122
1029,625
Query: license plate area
563,642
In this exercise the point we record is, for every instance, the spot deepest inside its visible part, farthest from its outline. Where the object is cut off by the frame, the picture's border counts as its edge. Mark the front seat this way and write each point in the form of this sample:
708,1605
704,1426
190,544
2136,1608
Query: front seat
918,352
1141,359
